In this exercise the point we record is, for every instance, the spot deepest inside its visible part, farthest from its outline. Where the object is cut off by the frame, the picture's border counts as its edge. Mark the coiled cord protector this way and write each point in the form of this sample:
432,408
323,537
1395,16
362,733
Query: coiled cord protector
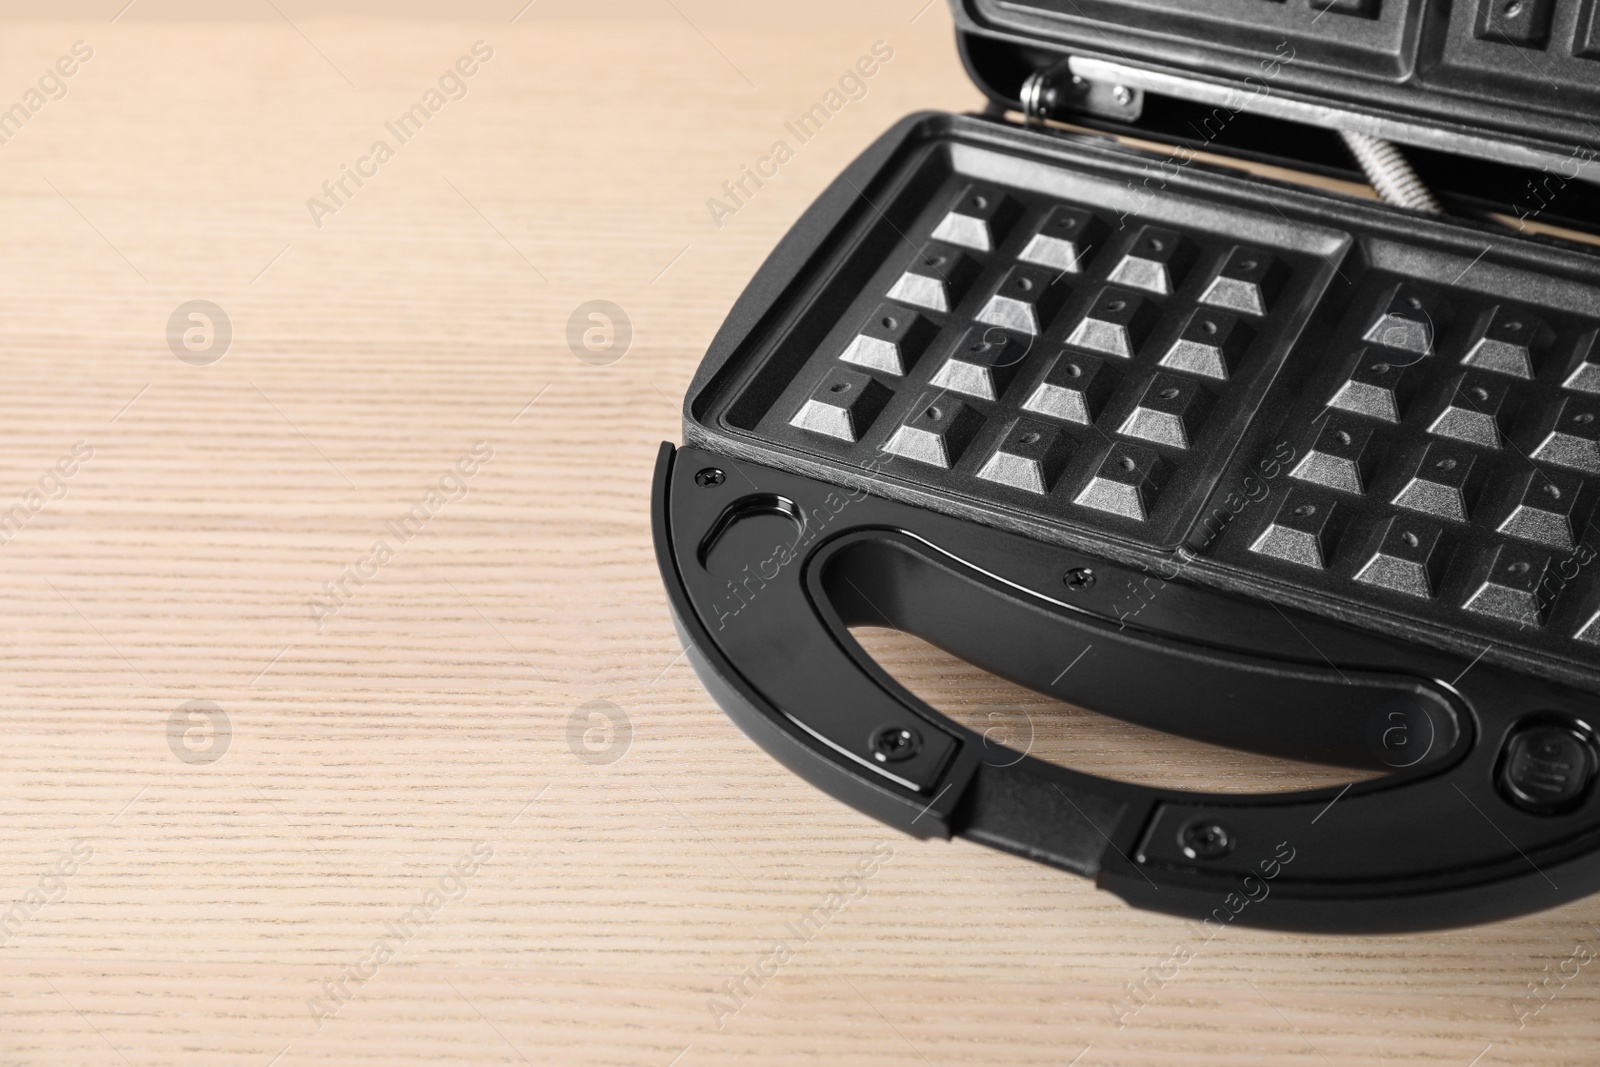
1390,173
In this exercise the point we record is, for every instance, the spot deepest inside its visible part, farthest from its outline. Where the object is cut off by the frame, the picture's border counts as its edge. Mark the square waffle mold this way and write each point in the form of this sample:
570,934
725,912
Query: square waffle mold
1390,421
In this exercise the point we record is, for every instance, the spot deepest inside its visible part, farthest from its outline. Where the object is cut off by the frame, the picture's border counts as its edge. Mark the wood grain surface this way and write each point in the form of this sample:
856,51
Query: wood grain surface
460,801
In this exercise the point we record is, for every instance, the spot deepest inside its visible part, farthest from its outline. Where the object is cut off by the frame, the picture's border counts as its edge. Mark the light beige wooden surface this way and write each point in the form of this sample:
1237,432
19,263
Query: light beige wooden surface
211,899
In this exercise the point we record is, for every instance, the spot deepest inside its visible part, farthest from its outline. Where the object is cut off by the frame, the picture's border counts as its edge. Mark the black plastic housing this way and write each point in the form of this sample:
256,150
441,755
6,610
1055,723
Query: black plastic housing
1230,458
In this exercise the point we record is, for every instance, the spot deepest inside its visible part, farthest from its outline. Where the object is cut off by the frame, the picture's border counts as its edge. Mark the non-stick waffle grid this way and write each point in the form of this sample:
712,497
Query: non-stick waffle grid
1041,355
1432,446
1448,457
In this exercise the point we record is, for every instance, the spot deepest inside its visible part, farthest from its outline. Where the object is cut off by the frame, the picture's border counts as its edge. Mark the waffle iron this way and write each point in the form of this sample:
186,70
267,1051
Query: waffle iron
1244,461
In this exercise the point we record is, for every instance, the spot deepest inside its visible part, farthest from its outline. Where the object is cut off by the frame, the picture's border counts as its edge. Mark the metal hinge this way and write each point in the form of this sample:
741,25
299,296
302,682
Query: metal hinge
1057,93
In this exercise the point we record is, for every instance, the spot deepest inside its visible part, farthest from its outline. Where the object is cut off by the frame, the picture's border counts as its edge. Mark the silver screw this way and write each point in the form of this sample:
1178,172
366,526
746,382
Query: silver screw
1121,95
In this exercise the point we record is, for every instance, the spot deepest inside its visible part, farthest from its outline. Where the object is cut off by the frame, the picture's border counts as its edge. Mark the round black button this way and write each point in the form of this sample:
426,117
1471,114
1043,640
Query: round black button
1547,768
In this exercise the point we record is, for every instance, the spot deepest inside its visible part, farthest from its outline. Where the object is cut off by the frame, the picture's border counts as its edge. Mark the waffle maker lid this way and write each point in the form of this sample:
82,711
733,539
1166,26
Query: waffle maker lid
784,520
1516,82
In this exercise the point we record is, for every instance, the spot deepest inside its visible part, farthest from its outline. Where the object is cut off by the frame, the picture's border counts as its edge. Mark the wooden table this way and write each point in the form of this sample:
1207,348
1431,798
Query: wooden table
272,795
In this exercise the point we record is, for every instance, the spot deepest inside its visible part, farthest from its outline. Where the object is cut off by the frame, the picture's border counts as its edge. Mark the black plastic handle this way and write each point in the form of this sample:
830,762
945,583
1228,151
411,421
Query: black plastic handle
1488,810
